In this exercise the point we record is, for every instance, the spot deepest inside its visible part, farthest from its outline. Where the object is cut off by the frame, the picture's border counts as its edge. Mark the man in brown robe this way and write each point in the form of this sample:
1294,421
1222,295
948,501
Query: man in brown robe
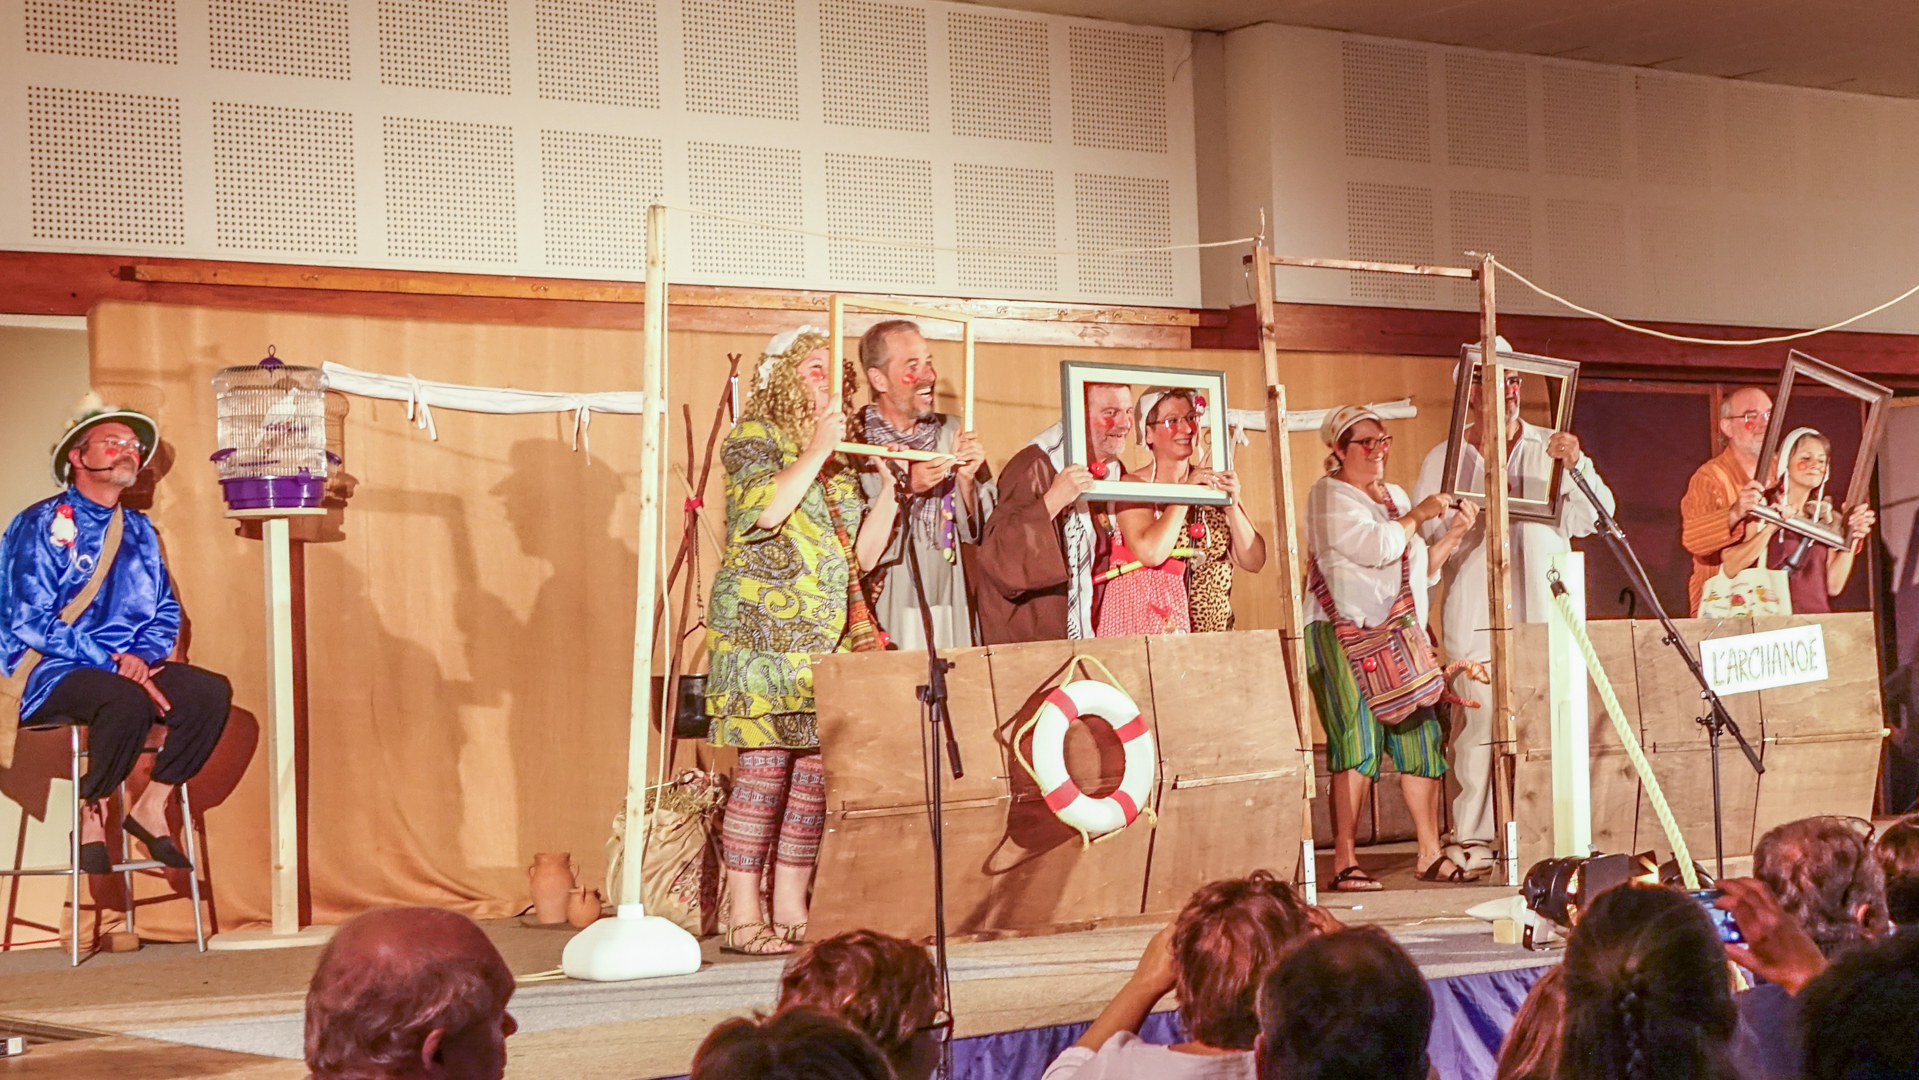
1713,512
1041,547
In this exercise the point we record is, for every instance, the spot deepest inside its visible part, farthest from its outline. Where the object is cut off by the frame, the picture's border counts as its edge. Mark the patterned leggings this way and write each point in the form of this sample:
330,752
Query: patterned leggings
765,783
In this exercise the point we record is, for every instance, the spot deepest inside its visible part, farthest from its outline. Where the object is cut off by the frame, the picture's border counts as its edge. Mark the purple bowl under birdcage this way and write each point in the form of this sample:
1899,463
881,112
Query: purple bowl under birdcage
272,431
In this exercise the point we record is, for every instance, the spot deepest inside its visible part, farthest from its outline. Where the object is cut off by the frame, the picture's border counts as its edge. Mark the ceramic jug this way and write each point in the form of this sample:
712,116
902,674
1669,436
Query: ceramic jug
551,880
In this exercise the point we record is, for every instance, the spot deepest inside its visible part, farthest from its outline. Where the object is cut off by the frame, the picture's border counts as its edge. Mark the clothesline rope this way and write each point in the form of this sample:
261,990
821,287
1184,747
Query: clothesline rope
1623,325
421,395
963,249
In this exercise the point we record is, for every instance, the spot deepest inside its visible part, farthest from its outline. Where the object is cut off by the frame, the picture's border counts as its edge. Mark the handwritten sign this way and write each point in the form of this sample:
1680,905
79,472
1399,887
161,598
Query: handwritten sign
1762,661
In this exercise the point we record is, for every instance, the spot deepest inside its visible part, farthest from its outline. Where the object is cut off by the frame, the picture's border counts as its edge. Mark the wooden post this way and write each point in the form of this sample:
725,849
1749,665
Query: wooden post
1492,439
1285,522
652,447
283,809
1566,685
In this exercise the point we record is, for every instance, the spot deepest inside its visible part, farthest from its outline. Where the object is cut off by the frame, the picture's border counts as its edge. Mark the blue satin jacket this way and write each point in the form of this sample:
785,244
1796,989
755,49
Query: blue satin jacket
44,564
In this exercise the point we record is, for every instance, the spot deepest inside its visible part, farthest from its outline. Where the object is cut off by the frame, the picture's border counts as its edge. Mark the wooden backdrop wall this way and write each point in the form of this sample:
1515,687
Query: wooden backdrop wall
469,614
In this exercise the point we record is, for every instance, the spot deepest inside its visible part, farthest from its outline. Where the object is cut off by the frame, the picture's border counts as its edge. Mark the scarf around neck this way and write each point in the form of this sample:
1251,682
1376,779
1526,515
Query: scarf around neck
1078,527
933,510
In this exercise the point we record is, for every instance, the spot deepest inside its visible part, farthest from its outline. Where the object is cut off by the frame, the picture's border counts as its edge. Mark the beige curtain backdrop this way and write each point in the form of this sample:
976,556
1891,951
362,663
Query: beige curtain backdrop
469,614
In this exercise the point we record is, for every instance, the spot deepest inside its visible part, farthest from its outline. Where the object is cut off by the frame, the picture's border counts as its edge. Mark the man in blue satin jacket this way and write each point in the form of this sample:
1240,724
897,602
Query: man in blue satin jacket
112,668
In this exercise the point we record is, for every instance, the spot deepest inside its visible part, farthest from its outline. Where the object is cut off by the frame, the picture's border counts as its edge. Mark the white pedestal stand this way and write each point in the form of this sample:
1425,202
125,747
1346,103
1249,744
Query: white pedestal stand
1566,684
283,783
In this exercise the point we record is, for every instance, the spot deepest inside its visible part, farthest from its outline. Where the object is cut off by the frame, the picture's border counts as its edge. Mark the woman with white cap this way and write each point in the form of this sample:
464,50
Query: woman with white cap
1174,562
787,588
1367,558
1815,573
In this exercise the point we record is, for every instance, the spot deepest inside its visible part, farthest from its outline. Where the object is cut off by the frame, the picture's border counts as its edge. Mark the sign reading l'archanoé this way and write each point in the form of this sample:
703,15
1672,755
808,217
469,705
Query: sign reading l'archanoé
1768,659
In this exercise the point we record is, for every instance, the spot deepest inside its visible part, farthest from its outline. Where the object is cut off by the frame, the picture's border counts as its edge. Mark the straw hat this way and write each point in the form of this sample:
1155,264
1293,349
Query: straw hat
93,412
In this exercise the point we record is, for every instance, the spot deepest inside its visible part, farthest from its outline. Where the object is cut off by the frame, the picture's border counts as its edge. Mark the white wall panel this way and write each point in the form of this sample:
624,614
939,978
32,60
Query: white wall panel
528,136
1645,194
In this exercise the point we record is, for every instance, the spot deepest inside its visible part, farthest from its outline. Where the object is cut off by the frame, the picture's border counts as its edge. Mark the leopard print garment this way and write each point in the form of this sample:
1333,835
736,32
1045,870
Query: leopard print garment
1209,577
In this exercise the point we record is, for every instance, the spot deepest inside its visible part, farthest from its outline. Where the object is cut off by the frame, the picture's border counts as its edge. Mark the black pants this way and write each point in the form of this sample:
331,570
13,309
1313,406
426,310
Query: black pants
118,714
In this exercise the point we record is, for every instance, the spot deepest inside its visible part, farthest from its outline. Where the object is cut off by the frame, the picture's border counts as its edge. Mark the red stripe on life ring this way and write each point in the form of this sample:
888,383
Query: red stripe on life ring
1059,700
1062,796
1125,802
1131,729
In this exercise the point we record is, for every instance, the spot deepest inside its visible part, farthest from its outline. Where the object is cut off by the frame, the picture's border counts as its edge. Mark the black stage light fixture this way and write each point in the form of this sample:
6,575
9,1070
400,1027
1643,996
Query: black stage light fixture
1558,890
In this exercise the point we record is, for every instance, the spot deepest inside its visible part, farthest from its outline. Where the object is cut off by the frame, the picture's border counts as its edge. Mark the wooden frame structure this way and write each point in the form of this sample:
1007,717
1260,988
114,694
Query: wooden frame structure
1511,363
1073,377
1871,435
1498,531
836,329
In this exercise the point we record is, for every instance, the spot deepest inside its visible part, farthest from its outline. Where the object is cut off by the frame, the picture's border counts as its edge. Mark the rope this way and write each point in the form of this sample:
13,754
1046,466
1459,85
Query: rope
963,249
1086,840
1562,603
1623,325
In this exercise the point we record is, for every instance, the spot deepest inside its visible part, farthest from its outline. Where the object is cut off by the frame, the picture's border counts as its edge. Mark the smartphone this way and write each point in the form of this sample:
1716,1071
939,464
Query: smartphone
1722,919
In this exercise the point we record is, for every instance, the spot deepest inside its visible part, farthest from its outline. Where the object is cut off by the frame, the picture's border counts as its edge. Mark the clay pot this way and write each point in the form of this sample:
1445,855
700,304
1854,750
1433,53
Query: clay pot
551,879
583,907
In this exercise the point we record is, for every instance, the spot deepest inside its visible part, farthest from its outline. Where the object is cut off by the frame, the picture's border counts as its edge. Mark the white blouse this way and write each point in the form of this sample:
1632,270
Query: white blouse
1358,544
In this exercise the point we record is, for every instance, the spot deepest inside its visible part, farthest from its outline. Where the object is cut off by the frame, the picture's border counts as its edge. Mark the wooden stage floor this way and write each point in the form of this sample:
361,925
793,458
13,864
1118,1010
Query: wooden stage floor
168,1011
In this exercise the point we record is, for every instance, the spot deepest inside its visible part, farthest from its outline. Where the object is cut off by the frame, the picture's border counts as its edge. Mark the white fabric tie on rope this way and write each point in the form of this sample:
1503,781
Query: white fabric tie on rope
421,395
1241,421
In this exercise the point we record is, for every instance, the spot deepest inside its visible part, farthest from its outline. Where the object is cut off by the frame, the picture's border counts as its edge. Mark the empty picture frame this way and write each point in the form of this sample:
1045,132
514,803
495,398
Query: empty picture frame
1547,387
1212,444
1859,486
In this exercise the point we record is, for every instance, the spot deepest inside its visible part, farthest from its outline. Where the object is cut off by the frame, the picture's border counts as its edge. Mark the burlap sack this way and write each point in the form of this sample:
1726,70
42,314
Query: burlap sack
680,874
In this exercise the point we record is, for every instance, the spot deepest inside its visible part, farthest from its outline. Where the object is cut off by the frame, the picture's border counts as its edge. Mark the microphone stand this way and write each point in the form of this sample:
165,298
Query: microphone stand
934,709
1717,720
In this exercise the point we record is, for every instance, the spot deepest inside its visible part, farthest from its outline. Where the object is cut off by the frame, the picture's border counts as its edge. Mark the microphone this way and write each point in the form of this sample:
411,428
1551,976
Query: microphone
1798,554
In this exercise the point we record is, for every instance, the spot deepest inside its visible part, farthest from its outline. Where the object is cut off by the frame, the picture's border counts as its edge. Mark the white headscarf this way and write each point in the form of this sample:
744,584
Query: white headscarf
1779,466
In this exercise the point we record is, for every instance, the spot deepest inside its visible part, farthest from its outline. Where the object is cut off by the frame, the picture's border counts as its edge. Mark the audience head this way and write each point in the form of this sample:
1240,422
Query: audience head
1826,877
899,367
1531,1049
1109,419
792,1044
1743,417
1898,854
1860,1018
1347,1006
1647,991
409,992
885,987
1229,935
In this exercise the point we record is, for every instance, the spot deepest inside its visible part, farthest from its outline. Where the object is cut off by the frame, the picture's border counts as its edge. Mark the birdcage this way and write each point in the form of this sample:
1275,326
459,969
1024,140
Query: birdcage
272,434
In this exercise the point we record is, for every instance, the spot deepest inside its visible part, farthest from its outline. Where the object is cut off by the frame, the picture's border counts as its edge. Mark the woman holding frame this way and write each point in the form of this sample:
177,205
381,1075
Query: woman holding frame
1815,573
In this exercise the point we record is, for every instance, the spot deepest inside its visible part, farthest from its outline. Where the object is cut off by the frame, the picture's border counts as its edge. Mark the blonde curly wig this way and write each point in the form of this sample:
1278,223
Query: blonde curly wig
779,398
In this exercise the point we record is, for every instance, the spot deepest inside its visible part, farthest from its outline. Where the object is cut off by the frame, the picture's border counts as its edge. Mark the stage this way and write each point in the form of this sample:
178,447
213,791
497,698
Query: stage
167,1011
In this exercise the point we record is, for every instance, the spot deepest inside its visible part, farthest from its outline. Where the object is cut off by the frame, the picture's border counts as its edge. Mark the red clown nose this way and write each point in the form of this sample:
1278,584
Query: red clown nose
1098,469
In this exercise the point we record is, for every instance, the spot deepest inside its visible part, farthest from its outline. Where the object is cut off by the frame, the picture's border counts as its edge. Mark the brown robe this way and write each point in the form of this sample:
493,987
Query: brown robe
1019,576
1703,528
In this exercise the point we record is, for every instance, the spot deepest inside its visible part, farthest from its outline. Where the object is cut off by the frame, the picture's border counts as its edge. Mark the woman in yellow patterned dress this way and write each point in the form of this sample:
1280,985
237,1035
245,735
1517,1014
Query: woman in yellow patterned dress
781,596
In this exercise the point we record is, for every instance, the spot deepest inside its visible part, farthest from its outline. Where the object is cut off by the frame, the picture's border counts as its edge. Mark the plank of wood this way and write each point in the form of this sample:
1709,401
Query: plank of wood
1222,705
1419,269
870,727
1823,739
869,450
1677,745
1614,783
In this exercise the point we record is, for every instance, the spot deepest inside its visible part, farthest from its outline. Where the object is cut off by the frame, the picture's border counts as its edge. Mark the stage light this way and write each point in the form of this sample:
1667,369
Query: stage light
1556,891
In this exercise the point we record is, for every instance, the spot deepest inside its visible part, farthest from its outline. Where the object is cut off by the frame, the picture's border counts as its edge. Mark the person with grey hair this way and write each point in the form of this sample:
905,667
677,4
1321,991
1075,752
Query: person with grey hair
1827,878
1723,491
950,495
416,992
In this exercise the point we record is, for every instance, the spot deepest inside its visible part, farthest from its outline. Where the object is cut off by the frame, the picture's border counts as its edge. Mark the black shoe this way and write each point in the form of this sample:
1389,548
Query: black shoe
160,847
94,858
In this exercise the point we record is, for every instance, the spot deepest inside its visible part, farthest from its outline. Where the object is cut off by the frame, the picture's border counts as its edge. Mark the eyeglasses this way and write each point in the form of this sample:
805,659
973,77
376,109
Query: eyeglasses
1376,443
123,446
941,1028
1172,422
1754,418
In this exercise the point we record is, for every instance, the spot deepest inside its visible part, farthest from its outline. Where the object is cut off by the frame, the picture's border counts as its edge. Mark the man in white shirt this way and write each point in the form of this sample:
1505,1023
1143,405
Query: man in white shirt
1531,452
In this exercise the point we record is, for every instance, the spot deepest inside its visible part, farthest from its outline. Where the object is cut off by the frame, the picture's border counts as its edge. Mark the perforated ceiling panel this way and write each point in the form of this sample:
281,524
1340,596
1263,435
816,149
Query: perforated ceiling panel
1582,121
1119,89
280,37
1762,147
527,137
141,30
594,193
873,65
1677,256
449,190
1001,76
1673,136
1499,223
1121,212
741,58
999,207
445,45
1390,223
606,52
1845,147
887,199
283,179
1486,111
759,183
1586,253
1388,101
105,167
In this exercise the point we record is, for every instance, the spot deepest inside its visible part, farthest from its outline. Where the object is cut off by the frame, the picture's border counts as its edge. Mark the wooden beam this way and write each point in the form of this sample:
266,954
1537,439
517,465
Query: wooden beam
1419,269
1286,529
1492,441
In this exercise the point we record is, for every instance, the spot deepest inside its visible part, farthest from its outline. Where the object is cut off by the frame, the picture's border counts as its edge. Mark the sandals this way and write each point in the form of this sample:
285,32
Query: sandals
791,933
765,941
1353,879
1458,876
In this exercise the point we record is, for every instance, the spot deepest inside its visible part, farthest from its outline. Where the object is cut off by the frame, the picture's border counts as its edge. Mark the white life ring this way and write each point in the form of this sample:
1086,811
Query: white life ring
1109,704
